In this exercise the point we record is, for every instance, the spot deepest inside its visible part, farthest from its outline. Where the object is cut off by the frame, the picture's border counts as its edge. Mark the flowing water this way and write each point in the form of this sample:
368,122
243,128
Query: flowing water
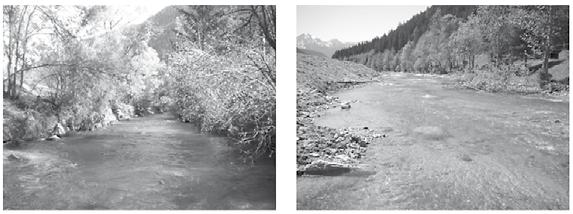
448,149
154,162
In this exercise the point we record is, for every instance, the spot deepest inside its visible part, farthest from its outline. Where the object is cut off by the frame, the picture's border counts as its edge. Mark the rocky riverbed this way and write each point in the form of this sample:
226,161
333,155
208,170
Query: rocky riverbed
327,151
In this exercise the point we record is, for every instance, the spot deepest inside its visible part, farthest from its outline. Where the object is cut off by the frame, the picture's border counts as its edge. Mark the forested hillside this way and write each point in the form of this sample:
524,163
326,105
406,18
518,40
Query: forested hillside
411,30
444,39
72,66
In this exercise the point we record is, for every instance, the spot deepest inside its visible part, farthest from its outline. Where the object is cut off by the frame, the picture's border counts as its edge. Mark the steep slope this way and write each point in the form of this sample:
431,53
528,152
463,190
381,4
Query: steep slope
318,73
164,23
308,42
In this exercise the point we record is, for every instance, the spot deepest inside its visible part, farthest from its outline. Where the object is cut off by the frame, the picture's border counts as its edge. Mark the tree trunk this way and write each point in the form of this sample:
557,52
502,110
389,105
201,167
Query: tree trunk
10,49
545,69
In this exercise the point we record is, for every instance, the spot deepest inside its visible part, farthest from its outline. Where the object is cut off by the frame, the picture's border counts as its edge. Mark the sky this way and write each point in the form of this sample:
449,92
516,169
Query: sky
352,23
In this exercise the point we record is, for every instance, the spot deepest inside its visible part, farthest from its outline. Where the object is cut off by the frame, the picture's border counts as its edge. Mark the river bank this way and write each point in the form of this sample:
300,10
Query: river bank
322,150
29,119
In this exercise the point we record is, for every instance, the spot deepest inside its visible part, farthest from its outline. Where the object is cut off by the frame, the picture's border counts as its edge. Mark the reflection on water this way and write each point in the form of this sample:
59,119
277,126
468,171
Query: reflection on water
449,149
146,163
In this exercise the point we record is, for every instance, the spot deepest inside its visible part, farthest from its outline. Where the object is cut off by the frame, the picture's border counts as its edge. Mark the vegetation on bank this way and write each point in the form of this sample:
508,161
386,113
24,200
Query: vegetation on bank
82,67
493,45
222,73
58,72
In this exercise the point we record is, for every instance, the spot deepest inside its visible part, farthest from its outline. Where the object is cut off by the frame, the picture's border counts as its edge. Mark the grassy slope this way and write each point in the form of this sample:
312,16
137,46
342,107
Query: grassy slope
316,72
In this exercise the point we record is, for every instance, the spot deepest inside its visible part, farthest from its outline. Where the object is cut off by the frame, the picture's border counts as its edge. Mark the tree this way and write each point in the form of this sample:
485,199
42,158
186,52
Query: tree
500,34
543,26
21,24
406,58
467,42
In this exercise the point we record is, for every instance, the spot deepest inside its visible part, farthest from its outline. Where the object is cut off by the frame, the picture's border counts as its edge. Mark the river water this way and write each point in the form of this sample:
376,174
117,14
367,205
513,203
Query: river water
448,149
153,162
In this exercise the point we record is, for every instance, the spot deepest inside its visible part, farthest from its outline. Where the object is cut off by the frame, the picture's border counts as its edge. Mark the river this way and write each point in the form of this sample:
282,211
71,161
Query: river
152,162
448,148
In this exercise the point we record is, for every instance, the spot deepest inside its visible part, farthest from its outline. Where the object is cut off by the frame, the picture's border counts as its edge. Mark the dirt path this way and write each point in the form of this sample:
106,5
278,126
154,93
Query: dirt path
449,149
154,162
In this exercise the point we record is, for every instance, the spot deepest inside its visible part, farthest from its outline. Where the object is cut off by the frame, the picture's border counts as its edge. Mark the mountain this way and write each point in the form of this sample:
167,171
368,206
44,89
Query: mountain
307,42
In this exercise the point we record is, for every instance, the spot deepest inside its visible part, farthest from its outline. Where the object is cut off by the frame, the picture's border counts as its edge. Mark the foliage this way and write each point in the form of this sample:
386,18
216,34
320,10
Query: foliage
504,79
451,39
226,85
79,61
543,27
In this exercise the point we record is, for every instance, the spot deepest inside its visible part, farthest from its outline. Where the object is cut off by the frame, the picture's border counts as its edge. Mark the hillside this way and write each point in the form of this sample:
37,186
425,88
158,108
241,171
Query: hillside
317,72
164,23
309,52
411,30
308,42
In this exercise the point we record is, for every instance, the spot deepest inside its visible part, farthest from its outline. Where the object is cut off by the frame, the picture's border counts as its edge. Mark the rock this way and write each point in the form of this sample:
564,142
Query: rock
59,130
322,167
314,154
431,132
344,158
557,121
466,158
53,138
13,157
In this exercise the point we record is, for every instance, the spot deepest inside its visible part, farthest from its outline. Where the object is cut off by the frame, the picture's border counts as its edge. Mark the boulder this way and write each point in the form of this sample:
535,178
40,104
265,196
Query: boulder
13,157
59,130
345,105
53,138
323,167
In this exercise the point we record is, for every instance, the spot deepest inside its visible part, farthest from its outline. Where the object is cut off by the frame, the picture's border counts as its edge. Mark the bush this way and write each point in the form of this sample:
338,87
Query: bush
507,79
226,98
122,110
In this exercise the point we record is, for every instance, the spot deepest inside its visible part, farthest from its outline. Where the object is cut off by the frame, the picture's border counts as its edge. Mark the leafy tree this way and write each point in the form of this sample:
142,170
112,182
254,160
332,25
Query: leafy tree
500,34
406,62
467,42
544,26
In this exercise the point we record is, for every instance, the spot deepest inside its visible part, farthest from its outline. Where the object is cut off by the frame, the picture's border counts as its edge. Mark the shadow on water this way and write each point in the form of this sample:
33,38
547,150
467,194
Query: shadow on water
154,162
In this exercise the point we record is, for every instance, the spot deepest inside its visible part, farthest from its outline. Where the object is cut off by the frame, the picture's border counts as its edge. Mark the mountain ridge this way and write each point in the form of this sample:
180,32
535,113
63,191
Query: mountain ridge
308,42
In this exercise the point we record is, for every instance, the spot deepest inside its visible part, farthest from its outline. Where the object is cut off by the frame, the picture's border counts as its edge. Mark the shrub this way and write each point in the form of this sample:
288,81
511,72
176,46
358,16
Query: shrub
505,79
225,97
